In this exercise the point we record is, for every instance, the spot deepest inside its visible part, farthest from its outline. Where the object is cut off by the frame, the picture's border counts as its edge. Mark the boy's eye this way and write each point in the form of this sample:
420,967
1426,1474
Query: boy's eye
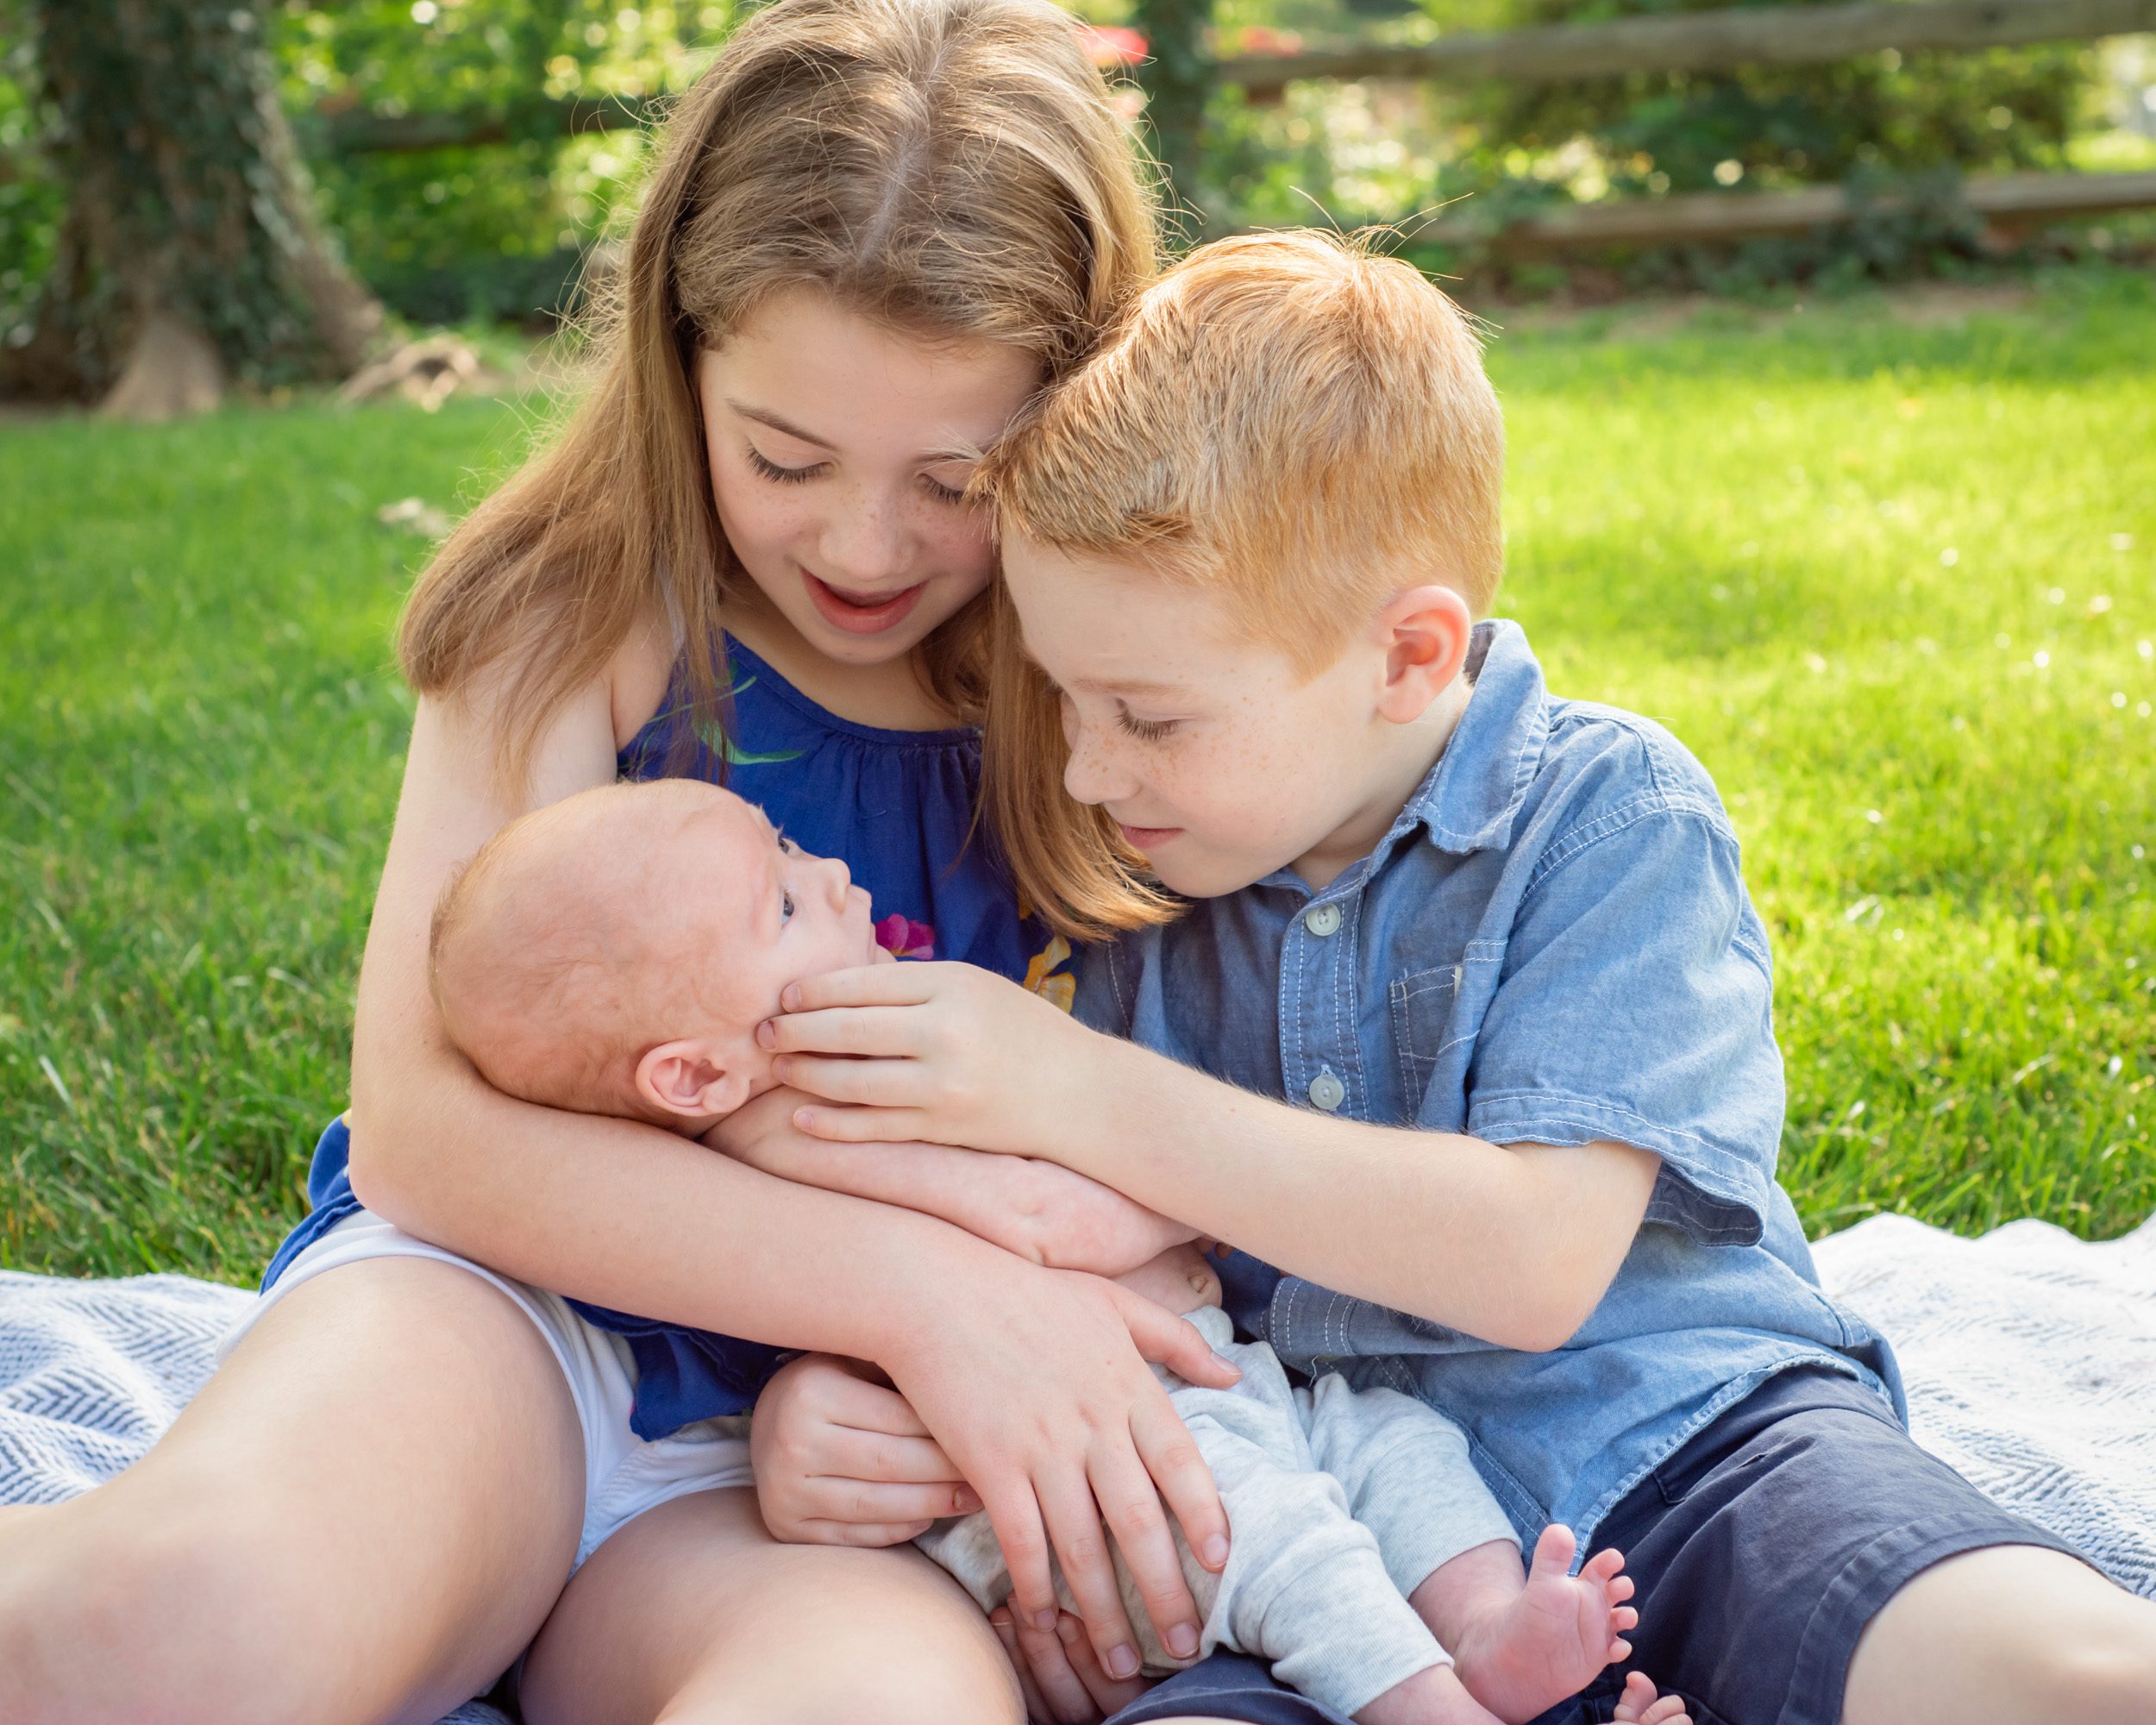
1147,730
771,470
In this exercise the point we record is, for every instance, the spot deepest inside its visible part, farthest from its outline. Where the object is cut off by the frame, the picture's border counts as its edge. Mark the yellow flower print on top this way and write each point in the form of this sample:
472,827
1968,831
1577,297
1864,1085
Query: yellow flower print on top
1043,978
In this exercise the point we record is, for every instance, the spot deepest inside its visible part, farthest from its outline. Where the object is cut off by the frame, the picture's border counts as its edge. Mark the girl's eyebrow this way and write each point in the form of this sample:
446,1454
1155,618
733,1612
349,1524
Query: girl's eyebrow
928,458
765,417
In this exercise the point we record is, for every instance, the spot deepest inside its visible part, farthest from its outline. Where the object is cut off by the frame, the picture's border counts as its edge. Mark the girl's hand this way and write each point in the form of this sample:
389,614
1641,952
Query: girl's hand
1034,1208
1035,1383
948,1053
1062,1681
842,1460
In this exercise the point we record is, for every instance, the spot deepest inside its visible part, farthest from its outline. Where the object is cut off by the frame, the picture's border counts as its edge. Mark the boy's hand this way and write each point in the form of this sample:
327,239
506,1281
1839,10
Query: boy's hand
944,1053
842,1460
1034,1208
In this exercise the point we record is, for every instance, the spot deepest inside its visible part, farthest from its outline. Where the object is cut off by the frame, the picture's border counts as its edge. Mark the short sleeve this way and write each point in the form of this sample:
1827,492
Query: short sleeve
1635,1005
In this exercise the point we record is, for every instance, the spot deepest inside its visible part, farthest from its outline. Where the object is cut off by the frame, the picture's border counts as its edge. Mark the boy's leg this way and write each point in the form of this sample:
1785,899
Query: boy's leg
694,1614
2007,1635
365,1516
1802,1561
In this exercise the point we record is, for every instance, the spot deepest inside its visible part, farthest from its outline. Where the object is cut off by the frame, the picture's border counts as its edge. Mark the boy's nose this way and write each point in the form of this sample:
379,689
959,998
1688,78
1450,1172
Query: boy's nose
1092,775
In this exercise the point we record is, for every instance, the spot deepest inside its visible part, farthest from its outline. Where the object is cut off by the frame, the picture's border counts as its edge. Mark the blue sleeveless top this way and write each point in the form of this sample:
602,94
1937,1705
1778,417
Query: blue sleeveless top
897,807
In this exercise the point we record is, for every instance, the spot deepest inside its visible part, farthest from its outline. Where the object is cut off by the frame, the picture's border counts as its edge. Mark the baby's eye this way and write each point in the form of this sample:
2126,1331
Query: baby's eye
785,907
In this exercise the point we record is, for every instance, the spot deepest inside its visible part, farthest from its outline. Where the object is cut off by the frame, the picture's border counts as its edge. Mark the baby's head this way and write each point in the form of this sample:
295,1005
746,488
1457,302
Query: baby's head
614,952
1244,545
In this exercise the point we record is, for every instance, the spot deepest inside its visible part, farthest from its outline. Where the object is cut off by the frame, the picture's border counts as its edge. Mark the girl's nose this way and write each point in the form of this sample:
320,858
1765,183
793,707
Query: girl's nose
863,544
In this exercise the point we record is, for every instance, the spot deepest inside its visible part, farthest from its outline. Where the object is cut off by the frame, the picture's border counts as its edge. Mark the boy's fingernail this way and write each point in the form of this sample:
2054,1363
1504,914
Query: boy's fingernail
1182,1640
1122,1662
1216,1553
766,1037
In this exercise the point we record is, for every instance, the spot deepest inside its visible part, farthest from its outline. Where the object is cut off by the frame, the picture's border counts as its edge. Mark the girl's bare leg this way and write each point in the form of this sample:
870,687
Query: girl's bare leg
364,1516
2008,1636
694,1614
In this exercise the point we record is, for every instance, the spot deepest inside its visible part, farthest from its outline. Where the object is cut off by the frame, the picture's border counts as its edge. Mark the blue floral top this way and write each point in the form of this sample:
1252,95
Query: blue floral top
897,807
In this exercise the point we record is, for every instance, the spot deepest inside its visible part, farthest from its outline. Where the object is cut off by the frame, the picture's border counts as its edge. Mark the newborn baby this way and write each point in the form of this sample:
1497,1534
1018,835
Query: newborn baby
614,954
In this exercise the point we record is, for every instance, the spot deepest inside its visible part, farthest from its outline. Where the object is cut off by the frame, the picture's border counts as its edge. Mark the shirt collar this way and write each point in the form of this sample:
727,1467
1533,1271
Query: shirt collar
1470,800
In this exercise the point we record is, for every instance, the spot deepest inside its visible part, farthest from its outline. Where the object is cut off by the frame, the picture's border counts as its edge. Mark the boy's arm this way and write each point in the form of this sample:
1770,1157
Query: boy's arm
1623,1070
1515,1244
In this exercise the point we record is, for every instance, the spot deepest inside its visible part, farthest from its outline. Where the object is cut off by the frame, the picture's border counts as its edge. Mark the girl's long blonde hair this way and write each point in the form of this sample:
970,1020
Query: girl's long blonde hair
950,165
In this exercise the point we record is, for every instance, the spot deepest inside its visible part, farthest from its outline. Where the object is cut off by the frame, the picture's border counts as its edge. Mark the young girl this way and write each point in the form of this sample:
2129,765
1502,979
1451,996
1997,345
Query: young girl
875,227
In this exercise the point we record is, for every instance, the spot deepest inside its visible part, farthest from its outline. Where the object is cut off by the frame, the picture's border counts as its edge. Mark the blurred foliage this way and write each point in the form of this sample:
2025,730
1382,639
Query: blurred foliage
487,230
1996,110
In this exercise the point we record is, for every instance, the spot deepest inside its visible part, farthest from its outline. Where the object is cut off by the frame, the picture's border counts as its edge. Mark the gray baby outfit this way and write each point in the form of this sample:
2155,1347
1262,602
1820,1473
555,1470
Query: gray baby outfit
1340,1504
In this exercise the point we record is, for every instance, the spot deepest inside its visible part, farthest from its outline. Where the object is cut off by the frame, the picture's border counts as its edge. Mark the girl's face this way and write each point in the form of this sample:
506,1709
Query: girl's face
839,447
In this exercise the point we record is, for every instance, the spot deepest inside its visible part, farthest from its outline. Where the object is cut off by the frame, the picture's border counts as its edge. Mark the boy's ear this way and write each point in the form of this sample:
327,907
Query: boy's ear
1425,632
686,1078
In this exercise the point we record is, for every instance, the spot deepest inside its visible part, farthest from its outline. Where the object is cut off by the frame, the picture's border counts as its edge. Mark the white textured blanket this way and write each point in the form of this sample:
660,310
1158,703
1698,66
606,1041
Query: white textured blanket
2030,1358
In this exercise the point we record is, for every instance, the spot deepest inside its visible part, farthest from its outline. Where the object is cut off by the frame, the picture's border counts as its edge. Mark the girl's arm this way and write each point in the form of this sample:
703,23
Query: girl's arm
1033,1379
1514,1243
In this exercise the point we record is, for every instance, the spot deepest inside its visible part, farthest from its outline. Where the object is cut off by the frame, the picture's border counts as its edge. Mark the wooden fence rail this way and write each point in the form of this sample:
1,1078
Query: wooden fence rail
1708,41
2007,202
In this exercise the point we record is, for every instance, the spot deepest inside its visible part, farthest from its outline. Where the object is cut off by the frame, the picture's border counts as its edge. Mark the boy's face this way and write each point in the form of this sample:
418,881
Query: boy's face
1218,761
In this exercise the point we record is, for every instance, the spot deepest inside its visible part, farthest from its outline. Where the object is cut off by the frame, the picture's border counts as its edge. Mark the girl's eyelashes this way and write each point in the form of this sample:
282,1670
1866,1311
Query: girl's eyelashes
766,467
1146,730
771,470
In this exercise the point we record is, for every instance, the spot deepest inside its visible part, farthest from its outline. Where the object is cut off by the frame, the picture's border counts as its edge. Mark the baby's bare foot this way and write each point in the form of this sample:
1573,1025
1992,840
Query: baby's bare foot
1551,1638
1435,1696
1638,1705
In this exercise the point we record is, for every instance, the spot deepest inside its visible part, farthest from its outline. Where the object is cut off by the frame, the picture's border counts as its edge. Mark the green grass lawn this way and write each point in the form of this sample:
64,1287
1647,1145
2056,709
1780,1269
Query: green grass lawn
1896,585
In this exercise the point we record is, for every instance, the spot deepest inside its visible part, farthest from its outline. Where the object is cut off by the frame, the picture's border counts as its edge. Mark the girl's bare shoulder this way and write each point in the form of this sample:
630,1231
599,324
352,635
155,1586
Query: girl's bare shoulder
638,673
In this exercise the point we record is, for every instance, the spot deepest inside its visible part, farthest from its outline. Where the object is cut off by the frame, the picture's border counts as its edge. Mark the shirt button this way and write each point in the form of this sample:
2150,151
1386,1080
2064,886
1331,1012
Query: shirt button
1322,921
1327,1092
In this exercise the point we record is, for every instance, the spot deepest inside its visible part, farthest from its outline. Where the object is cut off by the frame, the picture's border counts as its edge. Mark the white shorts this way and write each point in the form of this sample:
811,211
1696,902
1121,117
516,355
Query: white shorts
624,1476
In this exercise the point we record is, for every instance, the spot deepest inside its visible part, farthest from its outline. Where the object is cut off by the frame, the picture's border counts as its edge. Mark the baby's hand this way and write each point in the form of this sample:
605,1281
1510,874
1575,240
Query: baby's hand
1181,1279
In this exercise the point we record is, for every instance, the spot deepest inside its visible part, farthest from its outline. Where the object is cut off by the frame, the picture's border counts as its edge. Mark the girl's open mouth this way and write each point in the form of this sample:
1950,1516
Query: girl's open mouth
842,610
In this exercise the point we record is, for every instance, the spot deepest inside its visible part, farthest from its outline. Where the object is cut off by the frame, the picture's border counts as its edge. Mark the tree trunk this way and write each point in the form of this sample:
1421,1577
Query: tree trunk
191,255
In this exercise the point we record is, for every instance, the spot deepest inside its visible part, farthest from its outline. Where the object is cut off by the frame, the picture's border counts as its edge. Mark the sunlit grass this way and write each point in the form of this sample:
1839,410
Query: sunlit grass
1943,768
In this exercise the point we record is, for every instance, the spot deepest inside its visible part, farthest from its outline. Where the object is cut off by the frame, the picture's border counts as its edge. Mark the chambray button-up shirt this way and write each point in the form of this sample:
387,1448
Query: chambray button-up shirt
1551,945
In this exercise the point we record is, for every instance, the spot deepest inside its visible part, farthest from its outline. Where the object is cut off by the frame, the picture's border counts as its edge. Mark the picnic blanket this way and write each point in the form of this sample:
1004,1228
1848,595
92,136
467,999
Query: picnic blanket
2030,1358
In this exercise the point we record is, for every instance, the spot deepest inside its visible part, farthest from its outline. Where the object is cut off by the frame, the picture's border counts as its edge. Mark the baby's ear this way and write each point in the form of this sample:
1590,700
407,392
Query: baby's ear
686,1078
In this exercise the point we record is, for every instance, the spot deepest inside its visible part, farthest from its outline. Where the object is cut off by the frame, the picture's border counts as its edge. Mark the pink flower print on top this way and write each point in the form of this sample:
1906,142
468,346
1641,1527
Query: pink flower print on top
903,937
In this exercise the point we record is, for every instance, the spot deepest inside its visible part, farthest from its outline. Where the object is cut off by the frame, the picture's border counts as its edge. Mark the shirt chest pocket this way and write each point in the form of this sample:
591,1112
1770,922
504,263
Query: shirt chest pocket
1425,1012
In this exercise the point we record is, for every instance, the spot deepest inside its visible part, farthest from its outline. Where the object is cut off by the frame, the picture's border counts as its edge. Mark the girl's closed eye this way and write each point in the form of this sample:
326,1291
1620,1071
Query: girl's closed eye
771,470
1146,730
